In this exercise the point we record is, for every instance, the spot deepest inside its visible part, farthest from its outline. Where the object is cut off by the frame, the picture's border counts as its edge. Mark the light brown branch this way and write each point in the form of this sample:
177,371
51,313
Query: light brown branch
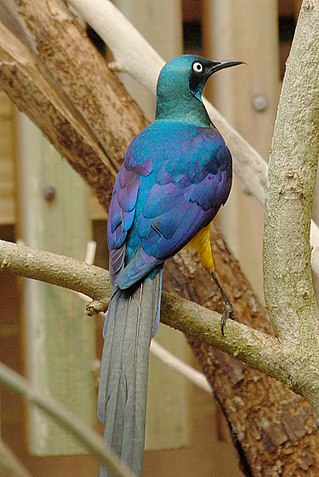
253,347
34,94
55,269
292,173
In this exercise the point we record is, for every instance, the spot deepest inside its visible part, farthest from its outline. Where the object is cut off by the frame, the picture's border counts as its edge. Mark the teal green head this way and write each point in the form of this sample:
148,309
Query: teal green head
180,86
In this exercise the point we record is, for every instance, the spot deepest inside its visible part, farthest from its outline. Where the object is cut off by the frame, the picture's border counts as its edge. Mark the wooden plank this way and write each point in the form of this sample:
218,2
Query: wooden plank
161,24
7,166
286,7
7,152
247,96
167,413
59,340
297,6
168,397
96,210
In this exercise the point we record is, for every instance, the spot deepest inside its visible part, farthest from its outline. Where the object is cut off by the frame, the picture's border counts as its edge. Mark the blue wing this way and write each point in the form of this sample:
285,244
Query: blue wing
173,182
122,208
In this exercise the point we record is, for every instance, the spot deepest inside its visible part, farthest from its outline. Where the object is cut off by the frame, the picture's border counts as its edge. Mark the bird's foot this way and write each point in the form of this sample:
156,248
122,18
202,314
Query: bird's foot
227,314
229,309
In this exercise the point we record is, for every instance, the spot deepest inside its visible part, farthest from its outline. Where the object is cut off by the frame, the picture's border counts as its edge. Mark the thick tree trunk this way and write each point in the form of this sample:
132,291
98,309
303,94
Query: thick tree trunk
274,431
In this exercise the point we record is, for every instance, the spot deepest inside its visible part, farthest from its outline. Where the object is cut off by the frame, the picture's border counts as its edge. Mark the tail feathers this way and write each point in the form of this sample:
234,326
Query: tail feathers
131,319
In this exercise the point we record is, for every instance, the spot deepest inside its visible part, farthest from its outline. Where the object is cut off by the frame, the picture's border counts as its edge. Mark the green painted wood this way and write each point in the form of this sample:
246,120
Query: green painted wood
168,396
59,340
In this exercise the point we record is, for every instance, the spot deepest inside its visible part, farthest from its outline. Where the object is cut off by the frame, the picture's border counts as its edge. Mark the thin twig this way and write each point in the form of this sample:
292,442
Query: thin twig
170,360
9,464
84,433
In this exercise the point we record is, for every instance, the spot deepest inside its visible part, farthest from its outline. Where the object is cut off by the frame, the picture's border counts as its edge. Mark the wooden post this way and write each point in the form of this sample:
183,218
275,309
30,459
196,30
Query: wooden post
59,339
7,205
167,414
161,24
247,96
297,5
8,328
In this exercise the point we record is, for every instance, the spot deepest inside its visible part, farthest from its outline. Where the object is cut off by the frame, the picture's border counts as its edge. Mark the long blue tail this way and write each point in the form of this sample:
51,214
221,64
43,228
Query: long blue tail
132,317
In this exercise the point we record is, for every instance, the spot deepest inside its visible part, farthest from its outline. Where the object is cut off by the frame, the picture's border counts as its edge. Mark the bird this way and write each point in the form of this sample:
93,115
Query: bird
176,175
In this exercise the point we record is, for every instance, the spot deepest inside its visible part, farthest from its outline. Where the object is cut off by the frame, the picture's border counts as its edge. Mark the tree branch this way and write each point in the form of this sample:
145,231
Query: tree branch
292,173
34,94
71,109
255,348
9,464
55,269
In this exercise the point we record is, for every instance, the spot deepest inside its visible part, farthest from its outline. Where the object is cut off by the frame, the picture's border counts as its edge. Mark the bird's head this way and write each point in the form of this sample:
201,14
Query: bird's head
182,80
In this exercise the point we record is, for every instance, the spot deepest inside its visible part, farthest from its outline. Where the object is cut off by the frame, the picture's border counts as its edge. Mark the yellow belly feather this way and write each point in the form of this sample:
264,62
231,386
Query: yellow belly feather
201,243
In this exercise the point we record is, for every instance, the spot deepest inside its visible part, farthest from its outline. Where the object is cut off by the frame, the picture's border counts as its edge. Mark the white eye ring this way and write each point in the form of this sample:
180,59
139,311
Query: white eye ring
197,67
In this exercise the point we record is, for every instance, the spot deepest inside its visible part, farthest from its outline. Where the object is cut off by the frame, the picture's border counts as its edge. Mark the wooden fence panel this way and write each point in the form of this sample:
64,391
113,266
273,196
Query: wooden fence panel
59,340
247,96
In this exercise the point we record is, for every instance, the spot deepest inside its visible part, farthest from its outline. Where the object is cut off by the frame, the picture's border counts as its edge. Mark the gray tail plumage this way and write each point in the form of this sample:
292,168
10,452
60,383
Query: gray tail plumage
131,319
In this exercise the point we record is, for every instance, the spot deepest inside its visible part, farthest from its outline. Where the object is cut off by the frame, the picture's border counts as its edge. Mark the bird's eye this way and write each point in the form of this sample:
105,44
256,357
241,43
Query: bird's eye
198,67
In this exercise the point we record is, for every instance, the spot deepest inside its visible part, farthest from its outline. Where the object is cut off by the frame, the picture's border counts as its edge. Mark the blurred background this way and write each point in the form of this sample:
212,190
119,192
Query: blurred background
44,204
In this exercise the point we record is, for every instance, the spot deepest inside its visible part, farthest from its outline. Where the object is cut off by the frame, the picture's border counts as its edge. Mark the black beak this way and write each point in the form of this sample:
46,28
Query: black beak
220,65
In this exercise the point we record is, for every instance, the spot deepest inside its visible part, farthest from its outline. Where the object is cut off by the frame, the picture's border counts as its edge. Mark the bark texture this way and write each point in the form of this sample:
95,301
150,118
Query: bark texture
55,75
293,163
274,431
